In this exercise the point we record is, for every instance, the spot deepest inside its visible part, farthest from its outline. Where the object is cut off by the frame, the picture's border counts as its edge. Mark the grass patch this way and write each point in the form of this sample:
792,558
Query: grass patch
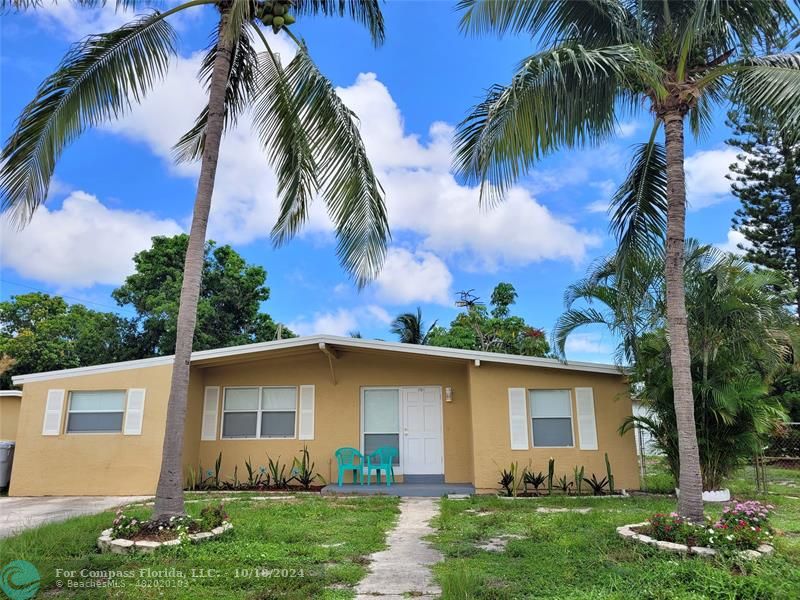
579,556
309,547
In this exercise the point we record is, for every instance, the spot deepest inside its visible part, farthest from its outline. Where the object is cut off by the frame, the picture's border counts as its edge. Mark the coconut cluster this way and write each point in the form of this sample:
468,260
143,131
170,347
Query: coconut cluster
275,13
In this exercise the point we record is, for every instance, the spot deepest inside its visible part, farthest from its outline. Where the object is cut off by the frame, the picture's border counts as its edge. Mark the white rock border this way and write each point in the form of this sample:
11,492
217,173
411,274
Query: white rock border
622,494
122,546
627,532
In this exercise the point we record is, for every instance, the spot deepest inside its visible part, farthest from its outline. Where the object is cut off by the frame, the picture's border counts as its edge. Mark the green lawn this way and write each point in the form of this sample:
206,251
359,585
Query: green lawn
573,555
275,551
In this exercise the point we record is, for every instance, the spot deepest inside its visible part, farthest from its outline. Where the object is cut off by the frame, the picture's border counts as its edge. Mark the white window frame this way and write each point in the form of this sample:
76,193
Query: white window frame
70,411
258,411
398,469
531,417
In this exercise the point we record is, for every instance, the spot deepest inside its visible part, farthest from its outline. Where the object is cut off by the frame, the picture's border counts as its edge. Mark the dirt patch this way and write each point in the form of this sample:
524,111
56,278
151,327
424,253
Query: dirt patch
499,543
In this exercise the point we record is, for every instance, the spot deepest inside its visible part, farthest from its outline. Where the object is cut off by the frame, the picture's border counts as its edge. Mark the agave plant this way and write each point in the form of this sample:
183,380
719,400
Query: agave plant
537,480
598,487
309,137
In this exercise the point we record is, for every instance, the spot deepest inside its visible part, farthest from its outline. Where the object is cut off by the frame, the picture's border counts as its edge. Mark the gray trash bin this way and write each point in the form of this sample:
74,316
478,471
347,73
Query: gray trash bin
6,458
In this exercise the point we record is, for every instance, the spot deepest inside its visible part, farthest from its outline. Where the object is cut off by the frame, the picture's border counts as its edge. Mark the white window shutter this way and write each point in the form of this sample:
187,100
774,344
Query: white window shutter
210,406
518,418
306,412
52,412
587,427
134,412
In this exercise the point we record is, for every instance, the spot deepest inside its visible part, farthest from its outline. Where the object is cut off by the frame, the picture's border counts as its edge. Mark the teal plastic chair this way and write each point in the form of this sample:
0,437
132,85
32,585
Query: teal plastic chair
346,459
382,459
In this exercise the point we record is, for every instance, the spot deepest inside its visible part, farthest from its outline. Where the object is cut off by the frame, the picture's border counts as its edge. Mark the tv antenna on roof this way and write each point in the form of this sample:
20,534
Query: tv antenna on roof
467,299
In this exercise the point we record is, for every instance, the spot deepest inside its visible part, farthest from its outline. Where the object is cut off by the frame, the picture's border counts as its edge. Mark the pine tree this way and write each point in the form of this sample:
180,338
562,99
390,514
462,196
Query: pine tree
766,179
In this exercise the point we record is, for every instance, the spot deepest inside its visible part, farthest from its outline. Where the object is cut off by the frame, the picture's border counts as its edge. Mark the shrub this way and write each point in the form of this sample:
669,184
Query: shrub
212,516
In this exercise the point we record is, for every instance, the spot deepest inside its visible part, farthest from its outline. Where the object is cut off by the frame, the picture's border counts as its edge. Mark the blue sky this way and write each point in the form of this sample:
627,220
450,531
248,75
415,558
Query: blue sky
116,186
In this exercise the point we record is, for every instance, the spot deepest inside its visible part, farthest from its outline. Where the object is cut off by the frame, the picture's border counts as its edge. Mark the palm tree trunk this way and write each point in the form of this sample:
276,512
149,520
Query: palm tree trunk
690,504
169,494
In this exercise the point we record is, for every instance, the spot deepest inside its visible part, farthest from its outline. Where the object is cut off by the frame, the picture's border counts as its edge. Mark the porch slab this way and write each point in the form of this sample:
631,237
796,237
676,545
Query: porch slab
419,490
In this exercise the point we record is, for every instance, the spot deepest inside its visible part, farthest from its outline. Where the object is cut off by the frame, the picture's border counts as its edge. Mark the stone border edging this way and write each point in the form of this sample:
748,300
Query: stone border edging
122,546
627,532
623,494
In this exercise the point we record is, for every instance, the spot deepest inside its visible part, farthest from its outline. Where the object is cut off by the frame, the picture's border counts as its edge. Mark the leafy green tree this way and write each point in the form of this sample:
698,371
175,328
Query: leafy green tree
40,332
410,328
738,340
309,136
478,328
231,292
603,61
766,179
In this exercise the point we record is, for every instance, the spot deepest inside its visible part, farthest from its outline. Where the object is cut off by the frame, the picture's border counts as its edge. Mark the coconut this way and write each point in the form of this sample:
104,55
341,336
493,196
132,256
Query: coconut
278,10
278,22
267,20
288,19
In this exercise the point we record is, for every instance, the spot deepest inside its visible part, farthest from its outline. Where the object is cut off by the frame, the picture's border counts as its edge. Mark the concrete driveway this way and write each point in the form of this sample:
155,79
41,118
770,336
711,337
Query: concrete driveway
26,512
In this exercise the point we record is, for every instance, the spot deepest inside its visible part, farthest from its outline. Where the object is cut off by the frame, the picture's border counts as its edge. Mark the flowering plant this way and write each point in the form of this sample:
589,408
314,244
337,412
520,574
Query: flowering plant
742,526
124,526
669,528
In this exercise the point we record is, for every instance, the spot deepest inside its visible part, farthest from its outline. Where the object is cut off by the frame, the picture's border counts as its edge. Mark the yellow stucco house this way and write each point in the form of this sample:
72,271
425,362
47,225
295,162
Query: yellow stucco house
455,415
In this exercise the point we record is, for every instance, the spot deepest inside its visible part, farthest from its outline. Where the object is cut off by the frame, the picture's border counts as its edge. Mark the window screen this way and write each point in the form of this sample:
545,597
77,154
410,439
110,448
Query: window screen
382,420
259,412
96,411
551,417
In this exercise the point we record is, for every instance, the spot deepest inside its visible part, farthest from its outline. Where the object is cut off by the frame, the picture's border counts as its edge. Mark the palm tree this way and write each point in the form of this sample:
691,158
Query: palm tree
409,328
738,327
310,138
606,59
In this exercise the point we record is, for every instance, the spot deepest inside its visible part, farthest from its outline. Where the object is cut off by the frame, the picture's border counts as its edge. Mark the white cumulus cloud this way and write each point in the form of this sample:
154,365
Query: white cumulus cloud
705,177
423,197
587,343
414,277
81,244
734,239
340,321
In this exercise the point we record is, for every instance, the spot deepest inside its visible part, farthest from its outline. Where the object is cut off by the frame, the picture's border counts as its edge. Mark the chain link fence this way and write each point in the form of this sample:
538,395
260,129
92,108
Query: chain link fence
776,469
779,463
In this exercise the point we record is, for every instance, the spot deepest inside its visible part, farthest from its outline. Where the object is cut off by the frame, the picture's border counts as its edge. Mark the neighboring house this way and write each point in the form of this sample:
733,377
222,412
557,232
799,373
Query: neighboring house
455,415
645,442
9,414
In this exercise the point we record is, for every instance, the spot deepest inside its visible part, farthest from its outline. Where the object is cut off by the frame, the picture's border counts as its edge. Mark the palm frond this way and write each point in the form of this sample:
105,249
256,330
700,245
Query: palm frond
559,98
277,118
235,18
639,207
238,93
98,80
119,4
348,184
366,12
573,319
771,81
596,22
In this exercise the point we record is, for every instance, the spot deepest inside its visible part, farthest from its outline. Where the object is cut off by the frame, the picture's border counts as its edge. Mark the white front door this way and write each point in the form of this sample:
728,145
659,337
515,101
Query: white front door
422,452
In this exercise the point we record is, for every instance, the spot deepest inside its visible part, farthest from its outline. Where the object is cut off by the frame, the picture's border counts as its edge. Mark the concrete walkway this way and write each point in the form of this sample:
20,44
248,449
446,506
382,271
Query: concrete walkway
403,569
25,512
